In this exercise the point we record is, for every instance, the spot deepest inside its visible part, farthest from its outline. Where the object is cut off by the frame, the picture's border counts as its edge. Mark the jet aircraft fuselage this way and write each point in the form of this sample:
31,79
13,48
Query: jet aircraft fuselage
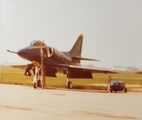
51,56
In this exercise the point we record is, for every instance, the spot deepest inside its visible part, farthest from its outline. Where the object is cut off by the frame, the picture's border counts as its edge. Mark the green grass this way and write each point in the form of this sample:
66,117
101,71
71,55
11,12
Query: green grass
9,75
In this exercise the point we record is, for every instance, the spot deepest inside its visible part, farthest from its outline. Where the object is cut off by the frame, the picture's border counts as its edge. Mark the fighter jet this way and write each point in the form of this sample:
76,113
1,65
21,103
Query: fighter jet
47,61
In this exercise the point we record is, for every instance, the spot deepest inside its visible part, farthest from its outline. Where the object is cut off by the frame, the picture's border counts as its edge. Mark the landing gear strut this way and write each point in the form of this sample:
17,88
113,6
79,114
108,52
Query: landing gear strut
69,83
36,82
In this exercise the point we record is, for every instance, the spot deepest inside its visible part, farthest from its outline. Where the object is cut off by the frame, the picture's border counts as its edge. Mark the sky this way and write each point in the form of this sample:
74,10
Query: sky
112,29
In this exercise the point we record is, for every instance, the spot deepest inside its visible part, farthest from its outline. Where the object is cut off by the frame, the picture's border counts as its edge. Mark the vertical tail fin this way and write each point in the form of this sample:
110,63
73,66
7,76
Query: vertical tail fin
77,47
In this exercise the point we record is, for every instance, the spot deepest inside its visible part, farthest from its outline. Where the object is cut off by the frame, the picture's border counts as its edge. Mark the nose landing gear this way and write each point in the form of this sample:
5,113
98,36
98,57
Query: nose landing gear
37,82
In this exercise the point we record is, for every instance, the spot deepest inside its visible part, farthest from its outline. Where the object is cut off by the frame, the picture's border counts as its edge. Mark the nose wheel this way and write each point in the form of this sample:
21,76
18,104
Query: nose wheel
35,85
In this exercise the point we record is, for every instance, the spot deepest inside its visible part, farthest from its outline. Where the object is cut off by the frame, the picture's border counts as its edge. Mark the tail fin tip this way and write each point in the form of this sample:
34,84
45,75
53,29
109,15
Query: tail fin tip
81,35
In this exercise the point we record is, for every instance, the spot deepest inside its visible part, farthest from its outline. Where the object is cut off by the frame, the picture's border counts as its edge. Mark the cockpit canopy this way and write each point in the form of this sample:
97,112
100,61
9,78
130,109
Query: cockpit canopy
37,43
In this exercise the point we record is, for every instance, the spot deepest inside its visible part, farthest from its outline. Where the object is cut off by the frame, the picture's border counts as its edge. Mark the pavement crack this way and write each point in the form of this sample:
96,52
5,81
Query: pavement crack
14,107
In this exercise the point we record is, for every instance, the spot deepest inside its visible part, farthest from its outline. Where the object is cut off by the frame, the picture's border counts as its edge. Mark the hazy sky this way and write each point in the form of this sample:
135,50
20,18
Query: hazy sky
112,28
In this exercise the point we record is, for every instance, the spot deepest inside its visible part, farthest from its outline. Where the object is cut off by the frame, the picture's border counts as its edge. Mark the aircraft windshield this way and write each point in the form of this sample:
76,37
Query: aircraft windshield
37,43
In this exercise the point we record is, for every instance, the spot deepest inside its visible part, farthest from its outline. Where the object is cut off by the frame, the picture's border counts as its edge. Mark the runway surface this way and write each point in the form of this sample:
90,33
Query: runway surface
25,103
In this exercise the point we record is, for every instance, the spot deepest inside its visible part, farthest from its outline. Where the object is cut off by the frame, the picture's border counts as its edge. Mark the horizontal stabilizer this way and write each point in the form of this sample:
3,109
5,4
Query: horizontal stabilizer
81,58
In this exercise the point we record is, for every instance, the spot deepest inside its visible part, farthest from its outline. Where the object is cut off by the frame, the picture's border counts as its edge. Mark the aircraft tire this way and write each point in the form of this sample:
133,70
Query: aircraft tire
39,83
110,90
125,90
35,85
69,85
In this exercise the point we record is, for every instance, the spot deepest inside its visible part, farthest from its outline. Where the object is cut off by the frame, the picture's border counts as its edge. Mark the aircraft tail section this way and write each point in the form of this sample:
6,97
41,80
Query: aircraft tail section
77,47
75,52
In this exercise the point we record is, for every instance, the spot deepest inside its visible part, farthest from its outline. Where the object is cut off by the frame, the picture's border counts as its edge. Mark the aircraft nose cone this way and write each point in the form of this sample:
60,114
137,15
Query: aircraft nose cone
22,53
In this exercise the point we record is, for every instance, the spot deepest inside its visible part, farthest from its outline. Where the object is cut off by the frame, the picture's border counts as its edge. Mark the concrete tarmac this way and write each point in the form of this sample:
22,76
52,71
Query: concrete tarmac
25,103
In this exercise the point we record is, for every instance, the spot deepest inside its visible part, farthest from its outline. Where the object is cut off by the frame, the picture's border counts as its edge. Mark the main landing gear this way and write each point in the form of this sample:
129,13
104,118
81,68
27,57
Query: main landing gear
69,83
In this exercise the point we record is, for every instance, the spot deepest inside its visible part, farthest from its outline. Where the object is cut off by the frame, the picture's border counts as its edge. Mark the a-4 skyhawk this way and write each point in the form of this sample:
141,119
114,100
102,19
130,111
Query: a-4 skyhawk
49,61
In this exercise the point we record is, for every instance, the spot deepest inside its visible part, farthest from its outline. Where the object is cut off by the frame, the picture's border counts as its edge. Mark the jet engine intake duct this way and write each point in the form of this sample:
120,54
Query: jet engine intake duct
49,51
